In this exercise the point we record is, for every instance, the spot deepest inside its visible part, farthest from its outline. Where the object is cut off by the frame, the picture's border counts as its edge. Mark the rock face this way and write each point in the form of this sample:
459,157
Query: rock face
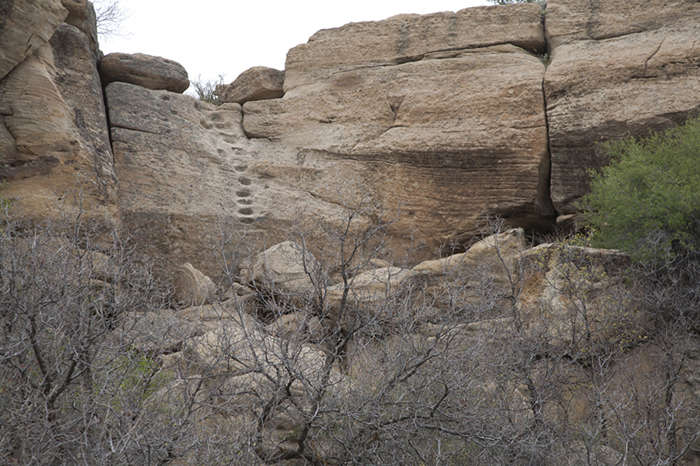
618,68
365,95
55,143
257,83
144,70
25,28
444,119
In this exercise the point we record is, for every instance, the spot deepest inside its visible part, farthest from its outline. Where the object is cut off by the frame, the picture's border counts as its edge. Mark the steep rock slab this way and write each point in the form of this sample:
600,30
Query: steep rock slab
448,139
56,154
647,79
25,27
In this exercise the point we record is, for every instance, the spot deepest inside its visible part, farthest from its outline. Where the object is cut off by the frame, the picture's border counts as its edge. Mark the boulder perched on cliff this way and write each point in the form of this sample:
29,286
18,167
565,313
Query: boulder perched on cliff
619,69
147,71
25,28
257,83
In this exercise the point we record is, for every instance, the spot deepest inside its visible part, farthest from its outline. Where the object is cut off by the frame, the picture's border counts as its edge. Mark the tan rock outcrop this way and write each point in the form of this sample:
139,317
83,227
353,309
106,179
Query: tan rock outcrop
285,268
185,168
56,154
403,134
622,68
25,28
257,83
407,38
147,71
353,124
81,14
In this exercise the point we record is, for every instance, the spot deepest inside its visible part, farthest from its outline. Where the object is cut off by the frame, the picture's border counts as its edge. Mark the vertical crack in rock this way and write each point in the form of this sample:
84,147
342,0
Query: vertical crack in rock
544,194
646,62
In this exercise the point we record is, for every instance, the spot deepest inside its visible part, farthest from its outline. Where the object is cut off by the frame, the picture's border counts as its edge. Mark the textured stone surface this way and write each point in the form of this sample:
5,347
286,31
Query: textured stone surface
25,27
151,72
257,83
56,154
408,38
570,21
480,282
181,169
617,78
192,287
450,151
285,267
81,14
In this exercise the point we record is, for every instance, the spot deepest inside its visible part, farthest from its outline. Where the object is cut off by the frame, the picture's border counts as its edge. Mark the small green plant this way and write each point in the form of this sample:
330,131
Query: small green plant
646,202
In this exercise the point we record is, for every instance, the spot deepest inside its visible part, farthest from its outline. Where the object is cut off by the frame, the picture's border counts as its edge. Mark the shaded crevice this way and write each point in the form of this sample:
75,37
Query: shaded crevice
544,194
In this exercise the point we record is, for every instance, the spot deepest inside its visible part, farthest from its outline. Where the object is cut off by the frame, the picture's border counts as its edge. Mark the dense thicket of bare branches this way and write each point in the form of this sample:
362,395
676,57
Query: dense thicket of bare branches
354,361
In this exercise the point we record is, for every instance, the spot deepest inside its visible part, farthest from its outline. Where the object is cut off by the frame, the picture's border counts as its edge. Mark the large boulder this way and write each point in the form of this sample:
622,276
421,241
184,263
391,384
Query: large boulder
619,69
151,72
257,83
25,28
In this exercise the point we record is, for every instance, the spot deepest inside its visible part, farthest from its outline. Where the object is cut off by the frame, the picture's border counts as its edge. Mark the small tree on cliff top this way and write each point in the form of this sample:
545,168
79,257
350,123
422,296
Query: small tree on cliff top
647,200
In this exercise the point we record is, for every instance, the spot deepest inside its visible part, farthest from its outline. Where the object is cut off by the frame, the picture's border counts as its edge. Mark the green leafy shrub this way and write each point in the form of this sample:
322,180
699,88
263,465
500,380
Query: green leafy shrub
647,200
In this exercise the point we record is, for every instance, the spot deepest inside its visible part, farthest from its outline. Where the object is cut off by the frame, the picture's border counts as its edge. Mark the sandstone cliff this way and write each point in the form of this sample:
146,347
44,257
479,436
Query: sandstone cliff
445,118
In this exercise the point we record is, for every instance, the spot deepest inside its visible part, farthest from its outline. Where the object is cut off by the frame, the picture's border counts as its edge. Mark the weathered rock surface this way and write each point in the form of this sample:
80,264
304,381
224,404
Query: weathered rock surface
575,297
446,152
285,268
25,28
81,14
617,69
257,83
481,282
569,21
185,167
407,38
192,287
56,154
147,71
475,141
